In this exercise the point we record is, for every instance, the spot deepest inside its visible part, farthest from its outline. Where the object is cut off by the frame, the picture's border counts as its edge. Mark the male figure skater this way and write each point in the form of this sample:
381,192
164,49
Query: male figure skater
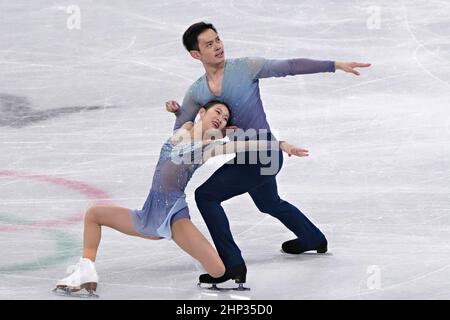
235,82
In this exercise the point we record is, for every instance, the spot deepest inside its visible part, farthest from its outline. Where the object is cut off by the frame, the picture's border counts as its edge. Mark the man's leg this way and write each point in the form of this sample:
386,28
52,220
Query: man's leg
268,201
228,181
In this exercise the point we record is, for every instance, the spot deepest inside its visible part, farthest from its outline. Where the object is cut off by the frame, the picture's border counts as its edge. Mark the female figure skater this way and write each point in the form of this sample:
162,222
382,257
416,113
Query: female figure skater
165,213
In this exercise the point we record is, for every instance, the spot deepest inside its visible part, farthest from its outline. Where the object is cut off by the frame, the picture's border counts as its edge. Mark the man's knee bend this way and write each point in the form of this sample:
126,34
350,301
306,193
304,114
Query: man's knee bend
274,209
264,209
285,210
277,214
198,193
202,194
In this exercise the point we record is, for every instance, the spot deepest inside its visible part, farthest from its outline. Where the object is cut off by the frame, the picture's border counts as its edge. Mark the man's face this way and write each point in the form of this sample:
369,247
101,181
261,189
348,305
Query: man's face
211,48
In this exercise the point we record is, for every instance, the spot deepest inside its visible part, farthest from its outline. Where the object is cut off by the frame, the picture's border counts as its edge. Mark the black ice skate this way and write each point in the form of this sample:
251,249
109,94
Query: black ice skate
238,274
294,247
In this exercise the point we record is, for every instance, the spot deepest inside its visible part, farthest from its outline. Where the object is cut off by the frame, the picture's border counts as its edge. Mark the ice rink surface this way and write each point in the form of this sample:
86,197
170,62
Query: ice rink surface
82,119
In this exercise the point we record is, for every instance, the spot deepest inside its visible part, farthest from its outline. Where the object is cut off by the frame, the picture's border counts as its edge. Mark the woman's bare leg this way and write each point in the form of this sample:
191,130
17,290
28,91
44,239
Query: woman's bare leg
191,240
114,217
185,234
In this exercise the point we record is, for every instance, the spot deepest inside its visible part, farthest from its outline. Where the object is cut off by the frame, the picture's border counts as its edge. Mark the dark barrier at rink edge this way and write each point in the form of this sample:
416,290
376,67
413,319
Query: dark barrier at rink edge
226,309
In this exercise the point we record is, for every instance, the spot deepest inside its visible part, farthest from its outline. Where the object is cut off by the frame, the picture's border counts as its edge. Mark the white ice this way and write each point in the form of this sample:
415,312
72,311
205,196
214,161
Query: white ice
377,181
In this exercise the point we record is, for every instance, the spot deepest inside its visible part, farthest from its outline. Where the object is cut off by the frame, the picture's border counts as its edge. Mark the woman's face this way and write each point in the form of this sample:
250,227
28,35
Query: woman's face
215,118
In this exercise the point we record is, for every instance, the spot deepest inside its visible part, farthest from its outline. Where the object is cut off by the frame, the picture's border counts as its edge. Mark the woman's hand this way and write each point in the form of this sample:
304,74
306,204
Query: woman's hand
293,150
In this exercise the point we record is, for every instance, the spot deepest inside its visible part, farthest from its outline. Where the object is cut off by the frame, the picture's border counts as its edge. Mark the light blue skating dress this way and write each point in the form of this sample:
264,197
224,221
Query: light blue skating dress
166,201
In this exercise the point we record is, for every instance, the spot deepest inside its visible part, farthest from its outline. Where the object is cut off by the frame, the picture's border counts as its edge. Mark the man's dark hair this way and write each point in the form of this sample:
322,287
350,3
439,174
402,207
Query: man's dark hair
190,36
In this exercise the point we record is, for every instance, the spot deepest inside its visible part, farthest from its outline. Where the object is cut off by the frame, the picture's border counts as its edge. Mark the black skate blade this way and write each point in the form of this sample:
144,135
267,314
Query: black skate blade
241,288
74,293
214,287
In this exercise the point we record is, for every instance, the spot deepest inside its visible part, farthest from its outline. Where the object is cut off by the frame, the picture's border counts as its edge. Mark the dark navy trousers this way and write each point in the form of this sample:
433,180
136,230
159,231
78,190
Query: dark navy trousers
234,179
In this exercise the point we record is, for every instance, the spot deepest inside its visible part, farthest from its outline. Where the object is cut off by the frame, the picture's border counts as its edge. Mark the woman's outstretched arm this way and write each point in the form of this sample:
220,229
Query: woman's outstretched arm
252,145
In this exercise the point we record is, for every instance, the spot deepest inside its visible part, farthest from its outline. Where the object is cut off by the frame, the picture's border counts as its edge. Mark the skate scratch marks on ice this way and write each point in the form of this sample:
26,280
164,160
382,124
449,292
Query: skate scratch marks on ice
66,248
91,192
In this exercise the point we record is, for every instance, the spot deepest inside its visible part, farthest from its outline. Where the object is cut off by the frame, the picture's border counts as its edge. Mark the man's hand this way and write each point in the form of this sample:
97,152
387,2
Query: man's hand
229,131
350,66
293,150
232,128
172,106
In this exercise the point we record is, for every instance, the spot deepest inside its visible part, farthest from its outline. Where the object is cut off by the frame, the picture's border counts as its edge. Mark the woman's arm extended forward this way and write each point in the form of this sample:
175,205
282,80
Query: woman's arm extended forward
254,145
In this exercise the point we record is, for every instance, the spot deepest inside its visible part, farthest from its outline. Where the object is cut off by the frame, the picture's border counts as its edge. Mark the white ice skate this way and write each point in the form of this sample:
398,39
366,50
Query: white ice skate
82,276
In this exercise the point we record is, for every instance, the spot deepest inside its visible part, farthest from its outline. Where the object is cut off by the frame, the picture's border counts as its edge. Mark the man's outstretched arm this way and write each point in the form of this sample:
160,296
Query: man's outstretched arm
266,68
